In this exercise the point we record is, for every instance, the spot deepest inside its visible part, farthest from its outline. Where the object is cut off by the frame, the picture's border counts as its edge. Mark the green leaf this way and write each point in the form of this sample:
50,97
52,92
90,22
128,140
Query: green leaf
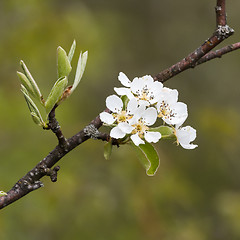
64,65
71,52
82,61
35,89
56,93
2,193
166,132
36,119
125,101
26,83
35,113
31,105
148,156
107,150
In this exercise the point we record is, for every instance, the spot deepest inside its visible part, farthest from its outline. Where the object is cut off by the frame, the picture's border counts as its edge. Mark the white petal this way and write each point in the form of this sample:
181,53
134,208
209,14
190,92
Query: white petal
157,86
137,140
107,118
192,132
121,91
148,79
136,108
159,104
149,116
152,136
180,112
169,96
114,103
134,119
117,133
125,127
124,91
124,79
189,146
143,104
186,135
130,95
155,92
132,106
137,85
173,94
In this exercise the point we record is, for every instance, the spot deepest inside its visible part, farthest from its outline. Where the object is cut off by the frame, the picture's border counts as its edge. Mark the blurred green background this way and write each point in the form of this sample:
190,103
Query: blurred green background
194,195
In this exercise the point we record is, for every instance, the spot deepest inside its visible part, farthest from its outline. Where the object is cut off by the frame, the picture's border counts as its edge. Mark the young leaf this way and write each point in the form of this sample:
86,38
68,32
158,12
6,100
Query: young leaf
125,101
71,52
82,61
166,132
26,83
35,113
107,150
64,66
31,105
2,193
148,156
36,91
36,119
56,93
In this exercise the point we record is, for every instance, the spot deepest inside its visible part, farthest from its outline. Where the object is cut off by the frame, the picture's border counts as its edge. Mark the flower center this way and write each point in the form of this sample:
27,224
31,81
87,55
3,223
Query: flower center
165,111
122,116
140,128
145,94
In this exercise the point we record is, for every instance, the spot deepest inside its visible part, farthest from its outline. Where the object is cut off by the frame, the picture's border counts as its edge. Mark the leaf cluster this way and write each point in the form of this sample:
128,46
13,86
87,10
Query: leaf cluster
60,90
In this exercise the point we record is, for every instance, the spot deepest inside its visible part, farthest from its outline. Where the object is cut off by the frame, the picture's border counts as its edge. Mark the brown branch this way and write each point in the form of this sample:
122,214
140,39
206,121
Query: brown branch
31,181
106,137
222,32
56,129
218,53
93,133
220,9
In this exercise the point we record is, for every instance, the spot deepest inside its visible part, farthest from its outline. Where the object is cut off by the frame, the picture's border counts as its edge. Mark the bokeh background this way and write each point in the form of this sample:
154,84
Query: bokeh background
194,195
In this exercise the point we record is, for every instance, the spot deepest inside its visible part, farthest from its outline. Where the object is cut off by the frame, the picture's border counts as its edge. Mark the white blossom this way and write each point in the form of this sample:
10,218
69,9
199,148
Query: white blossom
115,104
147,100
144,89
141,127
134,120
185,135
119,116
169,109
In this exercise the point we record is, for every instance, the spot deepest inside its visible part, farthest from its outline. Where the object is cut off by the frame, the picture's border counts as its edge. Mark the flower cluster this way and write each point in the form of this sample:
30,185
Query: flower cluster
139,104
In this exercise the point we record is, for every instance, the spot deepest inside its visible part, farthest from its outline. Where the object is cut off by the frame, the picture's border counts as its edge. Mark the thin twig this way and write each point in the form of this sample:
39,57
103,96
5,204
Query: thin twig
221,18
222,32
56,129
218,53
